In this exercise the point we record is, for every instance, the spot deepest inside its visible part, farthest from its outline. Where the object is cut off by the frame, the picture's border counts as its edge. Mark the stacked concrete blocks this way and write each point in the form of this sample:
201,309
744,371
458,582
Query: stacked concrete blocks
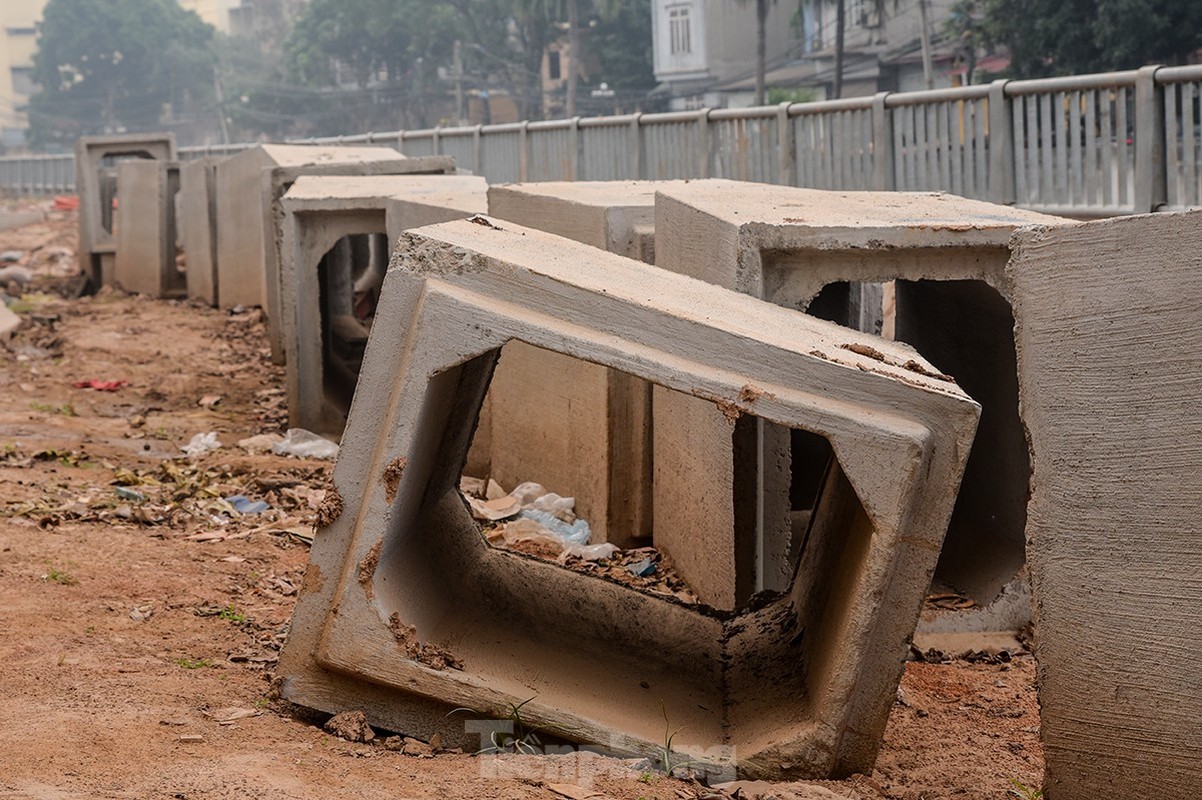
96,186
591,435
1110,375
146,241
787,245
197,222
250,219
318,282
406,610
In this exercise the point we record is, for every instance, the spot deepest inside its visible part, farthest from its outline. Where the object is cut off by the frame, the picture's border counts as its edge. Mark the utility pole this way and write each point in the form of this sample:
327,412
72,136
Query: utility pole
219,92
928,75
573,56
457,64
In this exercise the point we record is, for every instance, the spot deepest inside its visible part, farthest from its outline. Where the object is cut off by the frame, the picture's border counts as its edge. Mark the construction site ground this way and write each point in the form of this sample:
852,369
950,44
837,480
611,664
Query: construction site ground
141,615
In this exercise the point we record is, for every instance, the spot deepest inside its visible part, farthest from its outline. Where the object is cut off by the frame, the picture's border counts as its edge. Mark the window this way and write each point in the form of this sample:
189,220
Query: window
23,85
553,69
679,30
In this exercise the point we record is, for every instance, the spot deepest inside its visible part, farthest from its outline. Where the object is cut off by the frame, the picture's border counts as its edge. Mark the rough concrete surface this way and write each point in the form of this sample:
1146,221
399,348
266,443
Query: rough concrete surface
797,248
319,211
95,186
1108,336
248,216
146,239
197,221
799,685
590,437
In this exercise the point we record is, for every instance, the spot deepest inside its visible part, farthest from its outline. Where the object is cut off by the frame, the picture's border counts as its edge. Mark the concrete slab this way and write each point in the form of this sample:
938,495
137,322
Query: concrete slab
250,219
323,332
146,239
591,436
1109,377
95,184
406,610
197,222
799,248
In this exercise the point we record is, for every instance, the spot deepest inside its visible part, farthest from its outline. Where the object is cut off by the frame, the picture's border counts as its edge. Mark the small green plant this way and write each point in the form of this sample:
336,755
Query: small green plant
647,778
520,738
193,663
232,614
1022,791
58,576
262,702
667,760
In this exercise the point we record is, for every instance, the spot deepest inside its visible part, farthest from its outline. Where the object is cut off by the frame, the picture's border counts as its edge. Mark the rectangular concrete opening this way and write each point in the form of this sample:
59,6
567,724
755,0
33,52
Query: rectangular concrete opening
349,278
634,653
523,465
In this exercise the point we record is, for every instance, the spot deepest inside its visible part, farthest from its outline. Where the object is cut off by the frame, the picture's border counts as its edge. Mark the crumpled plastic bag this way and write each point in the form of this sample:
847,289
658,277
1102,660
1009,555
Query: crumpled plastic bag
305,444
200,444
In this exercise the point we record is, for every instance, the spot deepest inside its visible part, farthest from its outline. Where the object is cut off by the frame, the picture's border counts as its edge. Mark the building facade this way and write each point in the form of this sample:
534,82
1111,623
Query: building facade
18,42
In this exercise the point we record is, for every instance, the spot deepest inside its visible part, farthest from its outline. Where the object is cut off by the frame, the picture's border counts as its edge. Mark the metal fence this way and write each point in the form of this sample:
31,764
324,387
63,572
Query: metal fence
1084,146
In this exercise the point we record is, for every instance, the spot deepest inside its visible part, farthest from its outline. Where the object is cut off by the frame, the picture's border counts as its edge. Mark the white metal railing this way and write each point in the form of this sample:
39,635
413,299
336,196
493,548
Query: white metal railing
1086,145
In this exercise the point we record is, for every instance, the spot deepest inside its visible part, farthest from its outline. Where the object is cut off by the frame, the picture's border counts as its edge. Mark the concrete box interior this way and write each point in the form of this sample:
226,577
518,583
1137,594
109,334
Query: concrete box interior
428,615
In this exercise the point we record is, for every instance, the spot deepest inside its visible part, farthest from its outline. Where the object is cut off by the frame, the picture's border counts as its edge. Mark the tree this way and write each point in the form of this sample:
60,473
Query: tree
104,66
1063,37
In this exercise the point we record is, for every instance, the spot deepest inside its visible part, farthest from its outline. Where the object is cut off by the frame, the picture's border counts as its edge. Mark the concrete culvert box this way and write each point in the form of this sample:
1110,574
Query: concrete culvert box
147,241
805,249
407,611
250,218
96,184
338,234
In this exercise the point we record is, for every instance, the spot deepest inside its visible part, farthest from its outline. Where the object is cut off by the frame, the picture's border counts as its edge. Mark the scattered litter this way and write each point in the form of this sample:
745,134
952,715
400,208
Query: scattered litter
642,568
130,494
190,738
10,257
575,533
305,444
209,401
101,386
18,275
244,505
66,202
9,322
200,444
501,508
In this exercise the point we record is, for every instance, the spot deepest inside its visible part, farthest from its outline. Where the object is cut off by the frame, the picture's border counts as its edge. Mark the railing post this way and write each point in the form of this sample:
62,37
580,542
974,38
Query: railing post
400,141
786,156
1151,174
523,151
704,156
478,149
1002,188
436,141
636,147
575,156
883,176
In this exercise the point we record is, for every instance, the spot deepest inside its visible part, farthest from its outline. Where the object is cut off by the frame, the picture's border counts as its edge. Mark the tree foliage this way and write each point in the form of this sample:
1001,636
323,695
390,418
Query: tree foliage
114,65
1063,37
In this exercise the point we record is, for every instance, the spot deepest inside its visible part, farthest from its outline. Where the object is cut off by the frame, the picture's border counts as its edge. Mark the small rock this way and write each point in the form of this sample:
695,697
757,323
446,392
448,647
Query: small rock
415,747
394,743
190,738
350,725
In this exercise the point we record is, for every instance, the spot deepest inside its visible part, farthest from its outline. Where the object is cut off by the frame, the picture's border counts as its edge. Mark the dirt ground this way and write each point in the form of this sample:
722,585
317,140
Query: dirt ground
141,615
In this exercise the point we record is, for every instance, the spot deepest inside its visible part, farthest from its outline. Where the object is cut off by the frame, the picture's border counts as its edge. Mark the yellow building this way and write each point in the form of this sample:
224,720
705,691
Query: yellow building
18,42
214,12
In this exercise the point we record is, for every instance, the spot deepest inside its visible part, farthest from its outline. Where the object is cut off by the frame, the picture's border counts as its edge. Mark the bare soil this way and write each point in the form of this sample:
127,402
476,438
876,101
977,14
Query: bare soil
140,615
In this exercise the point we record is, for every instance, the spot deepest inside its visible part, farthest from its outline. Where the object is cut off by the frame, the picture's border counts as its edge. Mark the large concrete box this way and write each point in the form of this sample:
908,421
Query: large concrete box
249,216
1110,375
322,273
801,249
96,185
406,610
147,236
197,221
